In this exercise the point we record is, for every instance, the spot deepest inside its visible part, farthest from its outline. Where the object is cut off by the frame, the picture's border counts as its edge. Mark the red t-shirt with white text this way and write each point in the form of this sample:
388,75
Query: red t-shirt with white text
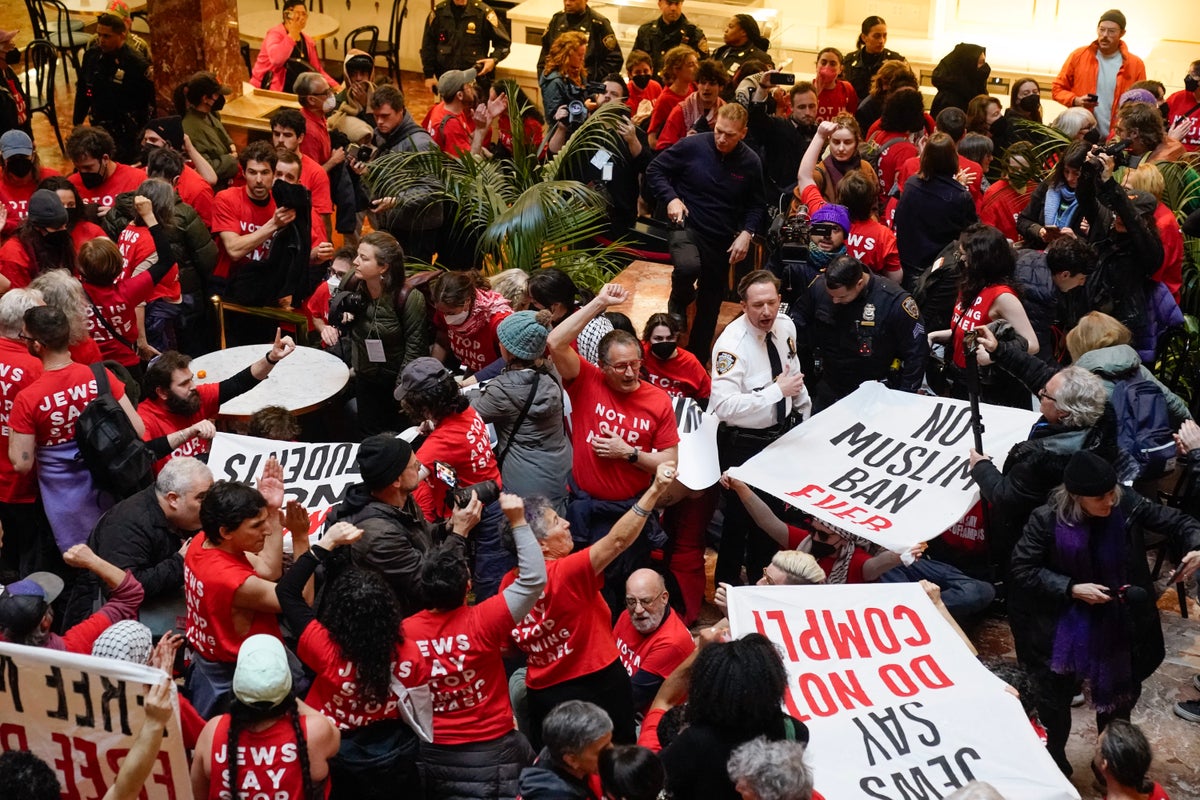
123,179
211,578
681,376
47,408
658,653
18,370
869,240
117,303
643,418
461,442
16,197
137,247
161,421
831,102
1183,103
234,212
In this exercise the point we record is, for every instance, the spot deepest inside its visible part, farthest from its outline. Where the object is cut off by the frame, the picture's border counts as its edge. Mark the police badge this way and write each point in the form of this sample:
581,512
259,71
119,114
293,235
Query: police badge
725,361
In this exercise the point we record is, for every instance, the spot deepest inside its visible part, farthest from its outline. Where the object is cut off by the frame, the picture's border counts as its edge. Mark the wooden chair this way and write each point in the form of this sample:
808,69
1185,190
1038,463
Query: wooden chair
41,59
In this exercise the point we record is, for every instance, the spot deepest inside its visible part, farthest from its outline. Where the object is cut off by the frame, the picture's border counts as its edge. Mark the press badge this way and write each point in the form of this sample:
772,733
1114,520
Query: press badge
375,352
606,173
601,160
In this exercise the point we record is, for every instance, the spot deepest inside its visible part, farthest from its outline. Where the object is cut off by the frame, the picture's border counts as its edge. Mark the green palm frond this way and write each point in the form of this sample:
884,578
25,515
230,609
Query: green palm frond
598,132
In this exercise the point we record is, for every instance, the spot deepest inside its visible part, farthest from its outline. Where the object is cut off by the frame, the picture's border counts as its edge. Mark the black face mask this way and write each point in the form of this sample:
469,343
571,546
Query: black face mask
641,81
219,103
1030,103
664,350
1092,136
57,239
92,180
18,166
13,56
1165,110
822,550
1190,83
74,214
144,154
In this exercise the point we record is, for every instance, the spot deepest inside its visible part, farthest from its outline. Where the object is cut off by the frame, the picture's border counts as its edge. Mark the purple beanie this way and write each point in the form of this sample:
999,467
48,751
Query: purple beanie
831,212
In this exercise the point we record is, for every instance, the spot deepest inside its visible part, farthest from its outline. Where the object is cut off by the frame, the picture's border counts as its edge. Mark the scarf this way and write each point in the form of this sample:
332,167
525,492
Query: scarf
820,259
836,170
690,108
1091,641
1061,204
486,305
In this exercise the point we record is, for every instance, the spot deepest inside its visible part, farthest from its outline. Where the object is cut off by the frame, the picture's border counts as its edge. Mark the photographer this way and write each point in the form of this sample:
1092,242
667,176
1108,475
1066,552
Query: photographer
564,75
1122,229
782,140
456,455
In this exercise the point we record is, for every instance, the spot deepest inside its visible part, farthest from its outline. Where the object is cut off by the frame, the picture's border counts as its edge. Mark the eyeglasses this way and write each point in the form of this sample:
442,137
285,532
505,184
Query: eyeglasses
823,230
25,337
633,602
1044,395
625,366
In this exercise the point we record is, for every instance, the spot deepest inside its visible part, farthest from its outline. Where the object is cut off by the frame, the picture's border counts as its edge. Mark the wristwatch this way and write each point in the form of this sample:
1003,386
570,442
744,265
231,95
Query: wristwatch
633,457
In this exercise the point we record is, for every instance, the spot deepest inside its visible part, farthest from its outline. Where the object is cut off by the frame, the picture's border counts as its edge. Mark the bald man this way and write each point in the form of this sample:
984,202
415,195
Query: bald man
651,638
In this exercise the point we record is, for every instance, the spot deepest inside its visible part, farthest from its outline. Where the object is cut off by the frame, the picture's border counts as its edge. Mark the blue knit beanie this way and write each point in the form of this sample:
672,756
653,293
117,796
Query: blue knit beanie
523,336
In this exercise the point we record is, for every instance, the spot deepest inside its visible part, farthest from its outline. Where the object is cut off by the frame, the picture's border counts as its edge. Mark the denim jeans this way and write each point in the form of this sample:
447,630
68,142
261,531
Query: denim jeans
962,595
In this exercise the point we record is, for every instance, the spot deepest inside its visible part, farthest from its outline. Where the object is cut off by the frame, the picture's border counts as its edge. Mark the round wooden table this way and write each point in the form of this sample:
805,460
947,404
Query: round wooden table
95,8
302,382
253,27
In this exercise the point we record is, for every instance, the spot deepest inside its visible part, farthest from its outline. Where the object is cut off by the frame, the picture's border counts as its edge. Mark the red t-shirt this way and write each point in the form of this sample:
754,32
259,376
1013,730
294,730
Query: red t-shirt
568,633
85,231
334,692
1001,206
660,652
1180,104
117,303
461,649
857,559
892,158
681,376
160,421
478,349
267,760
317,305
137,247
869,240
18,370
49,406
316,144
123,179
86,352
979,314
197,193
450,132
460,441
636,96
15,263
234,212
831,102
16,196
314,178
643,418
1171,271
664,105
215,628
675,128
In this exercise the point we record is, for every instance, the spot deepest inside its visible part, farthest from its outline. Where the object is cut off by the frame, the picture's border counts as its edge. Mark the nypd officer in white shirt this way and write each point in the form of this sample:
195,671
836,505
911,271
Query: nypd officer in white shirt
758,394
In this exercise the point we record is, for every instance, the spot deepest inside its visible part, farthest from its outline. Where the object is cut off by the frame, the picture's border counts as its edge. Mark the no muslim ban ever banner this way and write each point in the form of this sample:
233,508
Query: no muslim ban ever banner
896,706
889,466
80,715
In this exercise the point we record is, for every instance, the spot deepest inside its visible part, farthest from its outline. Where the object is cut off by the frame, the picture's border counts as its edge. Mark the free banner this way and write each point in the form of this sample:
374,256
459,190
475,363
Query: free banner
80,714
896,706
891,467
316,474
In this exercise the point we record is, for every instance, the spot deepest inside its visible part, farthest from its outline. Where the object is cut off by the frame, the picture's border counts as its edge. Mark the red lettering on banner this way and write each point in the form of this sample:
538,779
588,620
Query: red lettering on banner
829,501
922,672
846,634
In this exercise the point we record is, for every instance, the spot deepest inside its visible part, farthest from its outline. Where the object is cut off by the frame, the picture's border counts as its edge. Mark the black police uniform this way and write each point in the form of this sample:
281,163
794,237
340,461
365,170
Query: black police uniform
603,51
733,56
456,37
860,67
117,91
657,37
858,341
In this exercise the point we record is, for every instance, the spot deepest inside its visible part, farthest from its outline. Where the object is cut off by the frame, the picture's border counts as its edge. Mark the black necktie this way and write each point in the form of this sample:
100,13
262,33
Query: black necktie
776,371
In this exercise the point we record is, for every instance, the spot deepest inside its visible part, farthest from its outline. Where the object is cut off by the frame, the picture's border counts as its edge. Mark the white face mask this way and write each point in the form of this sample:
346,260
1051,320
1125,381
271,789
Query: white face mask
330,104
334,281
457,319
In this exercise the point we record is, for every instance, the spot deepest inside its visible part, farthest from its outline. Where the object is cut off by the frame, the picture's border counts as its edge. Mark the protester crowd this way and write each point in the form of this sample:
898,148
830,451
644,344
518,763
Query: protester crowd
500,605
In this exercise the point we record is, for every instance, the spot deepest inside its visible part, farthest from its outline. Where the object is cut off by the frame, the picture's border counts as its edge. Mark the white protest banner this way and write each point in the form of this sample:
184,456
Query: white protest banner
699,467
896,706
889,466
80,715
316,474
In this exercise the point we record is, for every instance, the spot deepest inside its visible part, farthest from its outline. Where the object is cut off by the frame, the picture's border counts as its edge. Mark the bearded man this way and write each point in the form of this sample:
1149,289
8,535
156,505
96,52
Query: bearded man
651,638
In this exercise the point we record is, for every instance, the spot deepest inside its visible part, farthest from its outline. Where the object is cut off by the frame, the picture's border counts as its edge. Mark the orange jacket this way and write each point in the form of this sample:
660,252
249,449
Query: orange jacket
1078,76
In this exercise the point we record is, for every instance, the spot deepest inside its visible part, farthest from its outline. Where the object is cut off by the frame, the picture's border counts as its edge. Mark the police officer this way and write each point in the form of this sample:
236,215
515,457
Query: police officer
669,30
856,325
460,34
115,87
603,52
758,394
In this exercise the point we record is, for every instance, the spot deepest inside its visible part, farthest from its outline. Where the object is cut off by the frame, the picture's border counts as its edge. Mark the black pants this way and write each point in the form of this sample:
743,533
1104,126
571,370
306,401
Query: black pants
700,274
378,411
742,541
1054,692
28,541
608,688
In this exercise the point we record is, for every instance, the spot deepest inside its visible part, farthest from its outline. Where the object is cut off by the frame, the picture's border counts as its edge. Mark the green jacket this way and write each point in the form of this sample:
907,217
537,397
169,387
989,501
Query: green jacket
1111,364
405,336
210,138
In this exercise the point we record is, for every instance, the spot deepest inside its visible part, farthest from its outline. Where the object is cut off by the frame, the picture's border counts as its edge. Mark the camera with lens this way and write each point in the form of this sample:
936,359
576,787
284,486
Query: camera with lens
486,491
577,113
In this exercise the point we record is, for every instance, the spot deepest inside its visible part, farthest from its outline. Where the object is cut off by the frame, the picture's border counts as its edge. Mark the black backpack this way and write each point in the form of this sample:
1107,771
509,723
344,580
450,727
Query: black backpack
1145,439
118,459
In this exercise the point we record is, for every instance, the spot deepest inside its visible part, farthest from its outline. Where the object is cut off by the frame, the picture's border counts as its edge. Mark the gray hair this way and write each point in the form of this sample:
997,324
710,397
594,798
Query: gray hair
305,82
61,290
1070,122
536,507
1066,505
514,285
1081,398
976,790
180,474
571,726
774,770
13,306
161,195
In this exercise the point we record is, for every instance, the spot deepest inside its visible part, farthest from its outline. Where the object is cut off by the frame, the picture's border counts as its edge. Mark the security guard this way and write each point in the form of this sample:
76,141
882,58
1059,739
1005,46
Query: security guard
856,325
669,30
758,394
603,52
115,87
458,35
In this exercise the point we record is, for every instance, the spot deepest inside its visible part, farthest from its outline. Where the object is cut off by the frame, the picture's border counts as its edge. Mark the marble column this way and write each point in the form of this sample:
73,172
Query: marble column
188,36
